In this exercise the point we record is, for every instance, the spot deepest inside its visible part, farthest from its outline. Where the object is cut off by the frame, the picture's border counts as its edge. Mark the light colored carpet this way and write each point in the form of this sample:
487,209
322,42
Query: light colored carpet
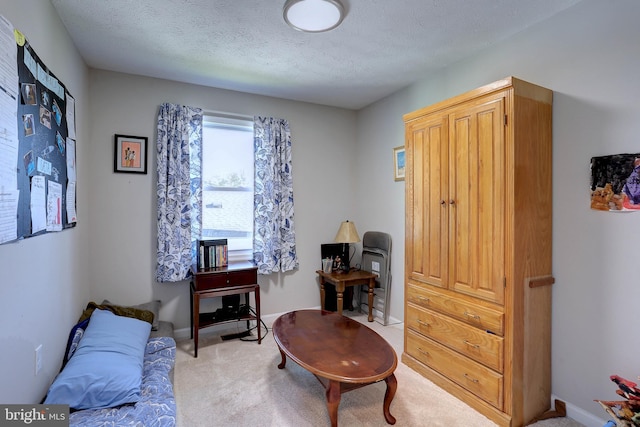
237,383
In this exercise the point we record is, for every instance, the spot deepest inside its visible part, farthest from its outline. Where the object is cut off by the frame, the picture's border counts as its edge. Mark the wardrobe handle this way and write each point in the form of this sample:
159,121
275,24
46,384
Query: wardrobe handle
423,299
426,353
452,202
442,202
423,323
471,344
473,316
473,380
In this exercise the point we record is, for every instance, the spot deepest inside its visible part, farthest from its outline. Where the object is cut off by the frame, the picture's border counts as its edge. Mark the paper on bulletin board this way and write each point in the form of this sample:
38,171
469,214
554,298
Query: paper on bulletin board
71,160
38,204
71,186
8,108
9,193
71,116
54,207
71,202
8,215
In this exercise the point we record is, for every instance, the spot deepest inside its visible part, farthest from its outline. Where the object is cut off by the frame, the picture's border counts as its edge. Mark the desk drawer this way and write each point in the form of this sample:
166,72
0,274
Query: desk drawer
223,279
475,343
479,380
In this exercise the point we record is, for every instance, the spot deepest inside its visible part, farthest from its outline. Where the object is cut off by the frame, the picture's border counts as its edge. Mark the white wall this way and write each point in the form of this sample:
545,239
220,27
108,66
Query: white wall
44,280
123,206
590,56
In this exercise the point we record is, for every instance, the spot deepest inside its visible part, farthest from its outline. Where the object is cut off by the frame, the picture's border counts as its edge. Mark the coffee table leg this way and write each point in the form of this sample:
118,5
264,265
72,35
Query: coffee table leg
284,359
333,401
392,385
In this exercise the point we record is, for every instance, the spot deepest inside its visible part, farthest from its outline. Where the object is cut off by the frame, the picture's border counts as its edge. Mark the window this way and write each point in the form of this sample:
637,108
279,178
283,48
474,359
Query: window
227,184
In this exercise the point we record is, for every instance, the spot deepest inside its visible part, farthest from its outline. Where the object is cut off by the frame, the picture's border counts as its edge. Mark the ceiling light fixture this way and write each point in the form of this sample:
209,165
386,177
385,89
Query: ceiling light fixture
313,16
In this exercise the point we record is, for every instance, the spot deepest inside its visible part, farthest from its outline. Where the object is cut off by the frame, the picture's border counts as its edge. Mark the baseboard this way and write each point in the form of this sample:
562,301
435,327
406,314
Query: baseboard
185,333
378,315
268,319
580,415
222,329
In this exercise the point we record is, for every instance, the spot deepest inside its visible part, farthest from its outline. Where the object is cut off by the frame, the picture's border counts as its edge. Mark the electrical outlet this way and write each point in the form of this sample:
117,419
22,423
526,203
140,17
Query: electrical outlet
38,359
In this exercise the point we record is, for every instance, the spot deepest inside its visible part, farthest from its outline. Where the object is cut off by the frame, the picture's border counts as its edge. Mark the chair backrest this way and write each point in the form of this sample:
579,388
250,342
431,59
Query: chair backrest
377,240
376,256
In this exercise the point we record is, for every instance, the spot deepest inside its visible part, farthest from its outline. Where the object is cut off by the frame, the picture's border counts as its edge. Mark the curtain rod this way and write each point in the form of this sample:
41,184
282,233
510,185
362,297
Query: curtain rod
227,114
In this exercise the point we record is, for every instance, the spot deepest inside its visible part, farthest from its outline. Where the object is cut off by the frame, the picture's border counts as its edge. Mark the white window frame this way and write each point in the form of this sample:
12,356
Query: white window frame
222,121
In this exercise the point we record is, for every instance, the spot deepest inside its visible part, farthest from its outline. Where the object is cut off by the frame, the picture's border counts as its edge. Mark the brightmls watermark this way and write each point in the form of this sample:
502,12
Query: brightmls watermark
34,415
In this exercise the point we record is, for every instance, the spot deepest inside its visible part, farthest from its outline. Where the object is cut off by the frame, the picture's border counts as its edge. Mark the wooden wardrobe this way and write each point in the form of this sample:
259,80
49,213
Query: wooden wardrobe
478,248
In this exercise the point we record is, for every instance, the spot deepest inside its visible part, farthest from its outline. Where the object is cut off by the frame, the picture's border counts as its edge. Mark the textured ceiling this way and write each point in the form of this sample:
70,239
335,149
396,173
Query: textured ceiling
245,45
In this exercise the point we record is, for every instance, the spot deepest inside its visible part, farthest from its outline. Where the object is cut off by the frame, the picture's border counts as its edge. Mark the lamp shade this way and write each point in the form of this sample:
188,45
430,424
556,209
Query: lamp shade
313,16
347,233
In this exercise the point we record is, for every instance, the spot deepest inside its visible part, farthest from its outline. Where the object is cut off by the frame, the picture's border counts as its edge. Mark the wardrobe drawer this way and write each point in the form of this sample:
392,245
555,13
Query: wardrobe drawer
465,311
478,379
472,342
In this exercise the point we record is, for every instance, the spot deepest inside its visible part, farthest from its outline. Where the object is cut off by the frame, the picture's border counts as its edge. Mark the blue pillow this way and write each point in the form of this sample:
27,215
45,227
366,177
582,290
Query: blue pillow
106,368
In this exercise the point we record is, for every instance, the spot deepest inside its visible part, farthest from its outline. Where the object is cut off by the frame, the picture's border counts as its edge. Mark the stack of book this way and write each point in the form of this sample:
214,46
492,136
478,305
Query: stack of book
212,253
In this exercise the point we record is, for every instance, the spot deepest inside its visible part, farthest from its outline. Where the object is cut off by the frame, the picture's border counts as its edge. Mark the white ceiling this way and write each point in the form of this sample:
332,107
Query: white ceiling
245,45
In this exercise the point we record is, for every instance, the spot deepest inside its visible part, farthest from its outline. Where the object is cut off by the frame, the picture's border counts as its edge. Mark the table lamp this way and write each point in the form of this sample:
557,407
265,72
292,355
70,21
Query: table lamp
347,233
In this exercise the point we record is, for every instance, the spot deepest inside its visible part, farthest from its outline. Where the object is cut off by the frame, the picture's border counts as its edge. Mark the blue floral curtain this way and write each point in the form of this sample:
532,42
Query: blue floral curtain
179,189
274,241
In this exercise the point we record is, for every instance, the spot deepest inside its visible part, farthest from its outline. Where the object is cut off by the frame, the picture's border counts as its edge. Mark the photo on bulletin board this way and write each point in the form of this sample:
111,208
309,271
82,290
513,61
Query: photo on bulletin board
28,93
130,154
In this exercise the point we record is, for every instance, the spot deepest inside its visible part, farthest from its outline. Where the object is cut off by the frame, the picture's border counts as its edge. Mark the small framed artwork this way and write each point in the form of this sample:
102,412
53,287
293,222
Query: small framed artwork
130,154
398,163
615,183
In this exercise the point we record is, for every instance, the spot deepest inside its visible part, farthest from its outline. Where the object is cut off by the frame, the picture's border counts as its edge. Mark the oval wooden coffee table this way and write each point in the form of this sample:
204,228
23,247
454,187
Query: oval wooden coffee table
342,353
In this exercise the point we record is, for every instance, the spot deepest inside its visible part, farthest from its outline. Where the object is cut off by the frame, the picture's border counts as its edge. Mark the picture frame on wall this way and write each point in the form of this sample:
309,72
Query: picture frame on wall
398,163
615,182
130,154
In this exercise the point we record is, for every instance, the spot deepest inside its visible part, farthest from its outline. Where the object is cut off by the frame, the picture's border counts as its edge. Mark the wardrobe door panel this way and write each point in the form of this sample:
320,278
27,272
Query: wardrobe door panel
477,202
427,217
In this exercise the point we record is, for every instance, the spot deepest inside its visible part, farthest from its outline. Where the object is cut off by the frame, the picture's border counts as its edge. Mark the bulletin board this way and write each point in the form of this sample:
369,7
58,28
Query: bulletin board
37,144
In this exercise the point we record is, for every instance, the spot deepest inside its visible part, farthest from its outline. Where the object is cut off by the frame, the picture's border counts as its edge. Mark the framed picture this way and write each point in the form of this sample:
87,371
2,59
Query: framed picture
130,154
398,163
615,183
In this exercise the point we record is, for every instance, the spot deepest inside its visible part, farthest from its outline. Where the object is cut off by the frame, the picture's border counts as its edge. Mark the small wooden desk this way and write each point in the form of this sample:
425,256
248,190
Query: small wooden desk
234,279
342,280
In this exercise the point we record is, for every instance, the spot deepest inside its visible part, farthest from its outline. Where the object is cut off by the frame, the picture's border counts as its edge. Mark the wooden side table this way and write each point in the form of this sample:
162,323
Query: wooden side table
235,279
342,280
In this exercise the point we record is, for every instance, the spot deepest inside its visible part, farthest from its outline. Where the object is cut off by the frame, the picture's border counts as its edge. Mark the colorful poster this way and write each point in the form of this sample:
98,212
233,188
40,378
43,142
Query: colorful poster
615,182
